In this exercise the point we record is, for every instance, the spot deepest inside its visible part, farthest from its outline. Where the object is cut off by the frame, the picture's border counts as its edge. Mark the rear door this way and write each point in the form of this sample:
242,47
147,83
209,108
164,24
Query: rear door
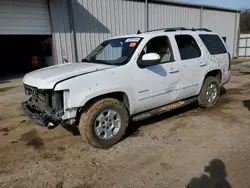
193,66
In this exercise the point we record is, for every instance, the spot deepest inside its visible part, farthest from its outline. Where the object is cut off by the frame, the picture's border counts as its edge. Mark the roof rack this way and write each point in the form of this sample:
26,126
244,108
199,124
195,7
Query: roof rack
166,29
175,29
186,29
202,29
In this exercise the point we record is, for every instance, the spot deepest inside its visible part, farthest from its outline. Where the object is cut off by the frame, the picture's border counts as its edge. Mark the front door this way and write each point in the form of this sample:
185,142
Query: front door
159,84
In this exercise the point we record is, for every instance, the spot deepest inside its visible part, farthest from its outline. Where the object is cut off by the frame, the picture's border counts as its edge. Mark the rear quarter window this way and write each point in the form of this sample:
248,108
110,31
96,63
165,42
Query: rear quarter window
214,44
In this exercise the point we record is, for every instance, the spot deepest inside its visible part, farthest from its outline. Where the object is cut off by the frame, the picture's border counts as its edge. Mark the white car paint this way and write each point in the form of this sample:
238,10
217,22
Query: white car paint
46,78
146,88
151,56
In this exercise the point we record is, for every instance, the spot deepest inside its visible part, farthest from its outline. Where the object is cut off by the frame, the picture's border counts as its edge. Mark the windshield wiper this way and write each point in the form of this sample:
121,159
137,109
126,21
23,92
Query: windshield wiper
85,60
102,62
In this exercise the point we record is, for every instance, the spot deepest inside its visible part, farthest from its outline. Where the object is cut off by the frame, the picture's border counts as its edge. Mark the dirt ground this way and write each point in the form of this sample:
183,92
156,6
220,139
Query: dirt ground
190,147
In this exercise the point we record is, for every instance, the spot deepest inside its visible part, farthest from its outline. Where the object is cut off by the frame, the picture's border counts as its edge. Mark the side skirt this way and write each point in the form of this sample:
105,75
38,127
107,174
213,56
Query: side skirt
163,109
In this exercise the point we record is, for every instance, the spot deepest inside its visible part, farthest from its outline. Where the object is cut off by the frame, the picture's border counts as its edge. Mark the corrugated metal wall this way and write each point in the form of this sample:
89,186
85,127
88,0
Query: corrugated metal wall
222,23
165,15
162,15
62,31
97,20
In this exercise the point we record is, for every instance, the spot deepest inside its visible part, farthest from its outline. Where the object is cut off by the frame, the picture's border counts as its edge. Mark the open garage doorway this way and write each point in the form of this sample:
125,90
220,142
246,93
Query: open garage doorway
21,54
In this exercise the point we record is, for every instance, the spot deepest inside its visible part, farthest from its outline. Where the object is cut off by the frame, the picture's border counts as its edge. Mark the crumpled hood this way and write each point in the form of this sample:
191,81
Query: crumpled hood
46,78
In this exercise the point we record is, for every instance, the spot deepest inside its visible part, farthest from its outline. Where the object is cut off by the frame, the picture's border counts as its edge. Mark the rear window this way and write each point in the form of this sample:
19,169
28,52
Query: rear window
214,44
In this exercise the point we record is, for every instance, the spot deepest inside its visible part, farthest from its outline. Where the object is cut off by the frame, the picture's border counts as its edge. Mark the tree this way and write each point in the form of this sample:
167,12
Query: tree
245,21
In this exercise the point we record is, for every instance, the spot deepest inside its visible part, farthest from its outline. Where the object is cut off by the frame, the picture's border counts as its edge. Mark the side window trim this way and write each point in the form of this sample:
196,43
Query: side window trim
196,44
170,46
171,51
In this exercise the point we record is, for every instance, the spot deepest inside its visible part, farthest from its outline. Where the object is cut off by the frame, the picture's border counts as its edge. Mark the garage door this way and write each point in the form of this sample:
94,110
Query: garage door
28,17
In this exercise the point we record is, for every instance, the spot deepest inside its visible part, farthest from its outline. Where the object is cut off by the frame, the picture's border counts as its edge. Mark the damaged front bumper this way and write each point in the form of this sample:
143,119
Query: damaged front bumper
40,118
45,107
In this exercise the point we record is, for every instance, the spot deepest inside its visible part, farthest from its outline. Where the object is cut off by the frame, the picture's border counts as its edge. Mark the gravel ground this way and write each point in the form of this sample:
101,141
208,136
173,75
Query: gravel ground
189,147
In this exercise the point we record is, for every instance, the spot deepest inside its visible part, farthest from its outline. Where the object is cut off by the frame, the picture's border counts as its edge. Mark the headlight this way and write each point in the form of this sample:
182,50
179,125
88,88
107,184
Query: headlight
57,100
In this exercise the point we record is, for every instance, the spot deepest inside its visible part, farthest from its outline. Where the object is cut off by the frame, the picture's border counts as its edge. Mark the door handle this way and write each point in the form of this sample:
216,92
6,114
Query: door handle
203,64
173,71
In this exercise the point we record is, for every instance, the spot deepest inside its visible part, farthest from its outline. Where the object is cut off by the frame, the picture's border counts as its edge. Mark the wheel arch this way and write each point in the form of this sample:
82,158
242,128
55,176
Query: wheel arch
217,73
118,95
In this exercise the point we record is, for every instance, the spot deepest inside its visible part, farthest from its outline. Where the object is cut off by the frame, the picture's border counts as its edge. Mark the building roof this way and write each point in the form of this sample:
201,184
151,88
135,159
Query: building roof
196,5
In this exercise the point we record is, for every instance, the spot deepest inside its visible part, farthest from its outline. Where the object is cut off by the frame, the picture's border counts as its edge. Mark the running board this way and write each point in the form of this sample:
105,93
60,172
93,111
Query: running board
163,109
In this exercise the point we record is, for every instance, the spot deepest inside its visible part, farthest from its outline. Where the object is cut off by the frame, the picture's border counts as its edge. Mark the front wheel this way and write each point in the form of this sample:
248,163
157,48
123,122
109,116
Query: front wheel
210,92
104,123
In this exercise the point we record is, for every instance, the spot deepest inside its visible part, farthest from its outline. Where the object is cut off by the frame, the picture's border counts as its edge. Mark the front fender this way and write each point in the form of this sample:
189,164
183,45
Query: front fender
86,87
99,93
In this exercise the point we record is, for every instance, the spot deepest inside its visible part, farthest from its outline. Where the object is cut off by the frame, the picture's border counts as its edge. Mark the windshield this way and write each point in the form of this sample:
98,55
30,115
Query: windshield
114,52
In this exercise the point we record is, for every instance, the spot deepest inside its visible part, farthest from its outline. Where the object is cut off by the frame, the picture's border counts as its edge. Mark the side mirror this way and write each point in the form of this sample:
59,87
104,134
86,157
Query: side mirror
149,60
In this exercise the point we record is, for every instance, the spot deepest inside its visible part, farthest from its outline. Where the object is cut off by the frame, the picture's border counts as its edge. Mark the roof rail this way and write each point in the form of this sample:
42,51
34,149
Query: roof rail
175,29
202,29
186,29
166,29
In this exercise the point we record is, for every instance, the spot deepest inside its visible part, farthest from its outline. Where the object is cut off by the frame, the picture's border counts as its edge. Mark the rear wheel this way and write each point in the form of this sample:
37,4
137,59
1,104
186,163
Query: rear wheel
104,123
210,92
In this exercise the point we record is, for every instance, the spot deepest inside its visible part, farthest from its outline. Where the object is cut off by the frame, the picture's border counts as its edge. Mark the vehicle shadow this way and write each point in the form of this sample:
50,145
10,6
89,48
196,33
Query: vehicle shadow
71,128
223,91
215,176
246,103
134,127
158,69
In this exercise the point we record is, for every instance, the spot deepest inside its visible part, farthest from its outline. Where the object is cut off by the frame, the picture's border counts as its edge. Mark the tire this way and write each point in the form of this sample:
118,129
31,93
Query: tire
210,92
104,123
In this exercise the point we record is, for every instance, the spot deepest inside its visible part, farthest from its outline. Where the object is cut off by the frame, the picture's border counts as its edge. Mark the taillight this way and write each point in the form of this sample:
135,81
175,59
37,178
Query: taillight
229,61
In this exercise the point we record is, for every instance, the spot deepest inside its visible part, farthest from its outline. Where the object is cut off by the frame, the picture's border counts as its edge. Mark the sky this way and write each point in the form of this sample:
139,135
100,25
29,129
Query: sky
235,4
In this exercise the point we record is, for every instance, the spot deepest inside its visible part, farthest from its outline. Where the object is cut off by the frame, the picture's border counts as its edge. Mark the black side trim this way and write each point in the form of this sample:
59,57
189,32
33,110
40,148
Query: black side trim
163,109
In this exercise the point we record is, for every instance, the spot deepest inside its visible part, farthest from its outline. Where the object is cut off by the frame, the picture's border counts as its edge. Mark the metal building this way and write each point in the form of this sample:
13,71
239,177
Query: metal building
75,27
93,21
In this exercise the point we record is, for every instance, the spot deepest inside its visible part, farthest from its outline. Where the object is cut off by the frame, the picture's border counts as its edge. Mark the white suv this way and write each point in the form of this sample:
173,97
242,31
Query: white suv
129,78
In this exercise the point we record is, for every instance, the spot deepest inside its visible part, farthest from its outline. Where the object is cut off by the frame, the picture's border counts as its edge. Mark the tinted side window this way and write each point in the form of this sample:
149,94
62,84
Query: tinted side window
213,44
188,47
